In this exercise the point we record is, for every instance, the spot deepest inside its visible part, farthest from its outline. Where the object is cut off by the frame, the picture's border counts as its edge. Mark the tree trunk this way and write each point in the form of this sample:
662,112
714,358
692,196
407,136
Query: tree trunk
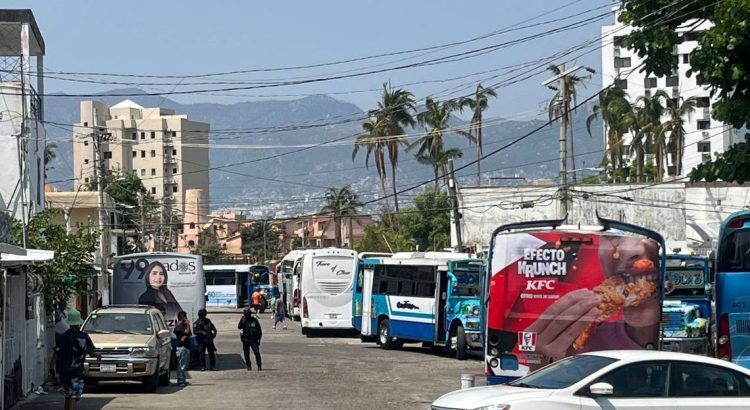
350,233
572,149
638,164
680,152
337,227
437,178
479,152
393,184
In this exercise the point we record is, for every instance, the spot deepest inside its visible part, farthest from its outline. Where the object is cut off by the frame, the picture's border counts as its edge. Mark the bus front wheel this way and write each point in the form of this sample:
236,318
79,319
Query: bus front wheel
385,340
460,343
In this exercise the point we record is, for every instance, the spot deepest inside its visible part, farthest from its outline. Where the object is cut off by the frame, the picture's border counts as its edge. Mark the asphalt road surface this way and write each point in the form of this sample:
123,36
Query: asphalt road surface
321,372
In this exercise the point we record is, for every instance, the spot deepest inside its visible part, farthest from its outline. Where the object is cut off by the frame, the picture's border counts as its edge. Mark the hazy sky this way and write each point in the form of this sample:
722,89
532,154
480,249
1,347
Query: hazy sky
190,37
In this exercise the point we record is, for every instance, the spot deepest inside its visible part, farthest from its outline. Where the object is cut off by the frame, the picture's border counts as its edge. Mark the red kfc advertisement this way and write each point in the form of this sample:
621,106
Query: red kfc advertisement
553,294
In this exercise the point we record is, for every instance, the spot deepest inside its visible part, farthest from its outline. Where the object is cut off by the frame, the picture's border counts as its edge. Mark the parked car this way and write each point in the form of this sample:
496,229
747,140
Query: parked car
617,379
134,342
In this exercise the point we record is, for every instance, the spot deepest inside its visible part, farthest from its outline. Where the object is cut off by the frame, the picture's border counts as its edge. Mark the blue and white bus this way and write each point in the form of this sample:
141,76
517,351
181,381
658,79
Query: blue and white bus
732,289
412,297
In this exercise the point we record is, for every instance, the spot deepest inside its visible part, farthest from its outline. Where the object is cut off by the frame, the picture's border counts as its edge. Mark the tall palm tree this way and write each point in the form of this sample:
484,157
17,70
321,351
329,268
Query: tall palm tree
394,113
617,114
677,110
340,203
557,106
648,136
50,153
477,105
438,159
374,142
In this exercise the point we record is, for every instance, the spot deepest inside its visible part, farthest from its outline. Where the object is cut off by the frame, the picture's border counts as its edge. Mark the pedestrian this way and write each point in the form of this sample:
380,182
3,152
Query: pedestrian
251,333
182,333
273,302
279,313
205,332
75,345
257,298
61,326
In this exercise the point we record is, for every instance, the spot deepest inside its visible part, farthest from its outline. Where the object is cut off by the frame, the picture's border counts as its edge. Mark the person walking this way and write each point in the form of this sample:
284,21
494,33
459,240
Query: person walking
75,345
251,333
279,313
205,332
182,332
257,298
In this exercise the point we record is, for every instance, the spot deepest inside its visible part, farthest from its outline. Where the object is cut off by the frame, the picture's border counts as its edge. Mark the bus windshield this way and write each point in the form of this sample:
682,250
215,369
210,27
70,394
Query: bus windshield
468,283
735,252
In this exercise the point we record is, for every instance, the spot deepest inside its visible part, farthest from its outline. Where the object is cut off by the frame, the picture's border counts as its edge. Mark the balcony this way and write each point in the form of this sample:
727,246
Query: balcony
169,181
169,159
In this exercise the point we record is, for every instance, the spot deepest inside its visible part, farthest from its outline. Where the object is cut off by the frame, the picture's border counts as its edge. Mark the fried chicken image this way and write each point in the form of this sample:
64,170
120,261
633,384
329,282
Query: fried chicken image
617,292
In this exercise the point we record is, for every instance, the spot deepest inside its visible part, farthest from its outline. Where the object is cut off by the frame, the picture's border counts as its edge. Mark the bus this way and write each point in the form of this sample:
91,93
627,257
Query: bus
288,280
136,279
732,289
325,289
552,291
687,312
227,285
428,297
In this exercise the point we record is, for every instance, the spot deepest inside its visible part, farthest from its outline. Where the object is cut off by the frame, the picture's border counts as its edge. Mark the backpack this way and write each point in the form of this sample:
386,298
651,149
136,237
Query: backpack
251,330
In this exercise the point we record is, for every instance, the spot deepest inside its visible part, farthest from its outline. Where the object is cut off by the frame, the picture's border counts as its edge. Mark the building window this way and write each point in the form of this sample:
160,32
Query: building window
192,225
135,154
704,146
174,170
702,102
617,41
85,124
153,190
153,171
153,135
649,82
675,60
143,154
174,152
174,188
621,83
85,143
107,154
143,135
699,79
153,153
704,124
86,180
673,81
134,136
690,36
622,62
686,59
143,172
85,160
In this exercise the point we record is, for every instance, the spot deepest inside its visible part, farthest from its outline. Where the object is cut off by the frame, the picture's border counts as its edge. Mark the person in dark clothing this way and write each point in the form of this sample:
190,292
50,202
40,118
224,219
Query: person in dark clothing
75,345
250,335
182,332
157,294
205,332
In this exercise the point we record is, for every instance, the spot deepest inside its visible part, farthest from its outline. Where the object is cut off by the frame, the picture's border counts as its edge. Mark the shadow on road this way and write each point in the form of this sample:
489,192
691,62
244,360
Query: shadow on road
432,351
230,361
334,333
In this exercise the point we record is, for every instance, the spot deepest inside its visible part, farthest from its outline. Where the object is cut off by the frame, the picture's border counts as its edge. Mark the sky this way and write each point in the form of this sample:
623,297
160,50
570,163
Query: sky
187,37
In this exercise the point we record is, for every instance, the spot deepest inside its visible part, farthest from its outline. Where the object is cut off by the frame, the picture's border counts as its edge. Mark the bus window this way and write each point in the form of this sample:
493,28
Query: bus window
467,283
735,252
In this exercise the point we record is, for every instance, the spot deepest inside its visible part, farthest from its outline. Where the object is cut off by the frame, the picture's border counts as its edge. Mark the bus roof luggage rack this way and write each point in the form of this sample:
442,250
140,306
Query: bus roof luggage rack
544,223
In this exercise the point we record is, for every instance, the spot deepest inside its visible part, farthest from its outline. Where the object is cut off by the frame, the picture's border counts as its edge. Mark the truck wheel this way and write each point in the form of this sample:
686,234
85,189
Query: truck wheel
384,335
164,378
460,343
151,383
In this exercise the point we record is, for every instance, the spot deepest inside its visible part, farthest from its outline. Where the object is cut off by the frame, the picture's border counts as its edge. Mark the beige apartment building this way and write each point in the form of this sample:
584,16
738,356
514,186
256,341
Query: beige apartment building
167,151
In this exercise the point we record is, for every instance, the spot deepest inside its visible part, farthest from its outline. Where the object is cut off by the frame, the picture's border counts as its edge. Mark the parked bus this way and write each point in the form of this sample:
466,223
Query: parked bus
227,285
289,282
732,289
169,281
686,312
554,291
430,297
325,288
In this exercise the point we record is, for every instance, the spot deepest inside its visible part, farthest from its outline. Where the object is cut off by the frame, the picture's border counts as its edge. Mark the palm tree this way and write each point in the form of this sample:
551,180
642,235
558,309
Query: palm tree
648,135
438,159
557,107
50,153
394,112
340,202
374,141
477,105
676,110
617,114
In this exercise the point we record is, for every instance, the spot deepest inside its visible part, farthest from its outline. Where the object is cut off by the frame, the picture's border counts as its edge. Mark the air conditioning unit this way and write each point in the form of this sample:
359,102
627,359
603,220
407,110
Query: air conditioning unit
704,134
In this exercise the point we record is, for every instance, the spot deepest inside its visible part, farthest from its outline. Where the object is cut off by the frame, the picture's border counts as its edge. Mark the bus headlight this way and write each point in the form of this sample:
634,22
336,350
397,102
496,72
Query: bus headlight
475,311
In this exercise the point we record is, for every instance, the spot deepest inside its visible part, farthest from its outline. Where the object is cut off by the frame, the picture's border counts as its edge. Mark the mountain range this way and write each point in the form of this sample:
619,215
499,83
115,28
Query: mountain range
248,171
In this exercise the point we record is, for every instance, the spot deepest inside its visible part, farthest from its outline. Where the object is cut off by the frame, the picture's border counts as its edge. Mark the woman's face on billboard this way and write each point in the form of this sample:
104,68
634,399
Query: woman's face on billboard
156,277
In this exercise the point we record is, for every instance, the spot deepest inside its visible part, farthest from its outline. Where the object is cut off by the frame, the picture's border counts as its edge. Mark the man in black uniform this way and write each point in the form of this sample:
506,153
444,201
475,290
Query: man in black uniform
205,331
250,336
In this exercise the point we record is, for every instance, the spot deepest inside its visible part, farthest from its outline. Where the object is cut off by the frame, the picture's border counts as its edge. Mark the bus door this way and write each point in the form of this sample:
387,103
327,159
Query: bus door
367,301
442,304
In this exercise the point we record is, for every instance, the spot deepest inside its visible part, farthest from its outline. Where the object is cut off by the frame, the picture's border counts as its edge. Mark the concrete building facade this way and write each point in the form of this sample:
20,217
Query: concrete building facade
167,151
621,66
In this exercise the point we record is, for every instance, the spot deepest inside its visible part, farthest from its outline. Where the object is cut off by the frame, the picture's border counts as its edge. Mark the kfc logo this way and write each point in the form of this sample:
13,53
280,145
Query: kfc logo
527,341
541,284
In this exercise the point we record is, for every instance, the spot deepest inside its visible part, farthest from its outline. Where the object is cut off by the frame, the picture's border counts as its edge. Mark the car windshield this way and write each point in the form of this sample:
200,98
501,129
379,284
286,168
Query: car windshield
133,323
563,373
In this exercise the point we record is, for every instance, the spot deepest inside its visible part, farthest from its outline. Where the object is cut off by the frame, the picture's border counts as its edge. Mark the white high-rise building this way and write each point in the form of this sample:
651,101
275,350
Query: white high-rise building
704,135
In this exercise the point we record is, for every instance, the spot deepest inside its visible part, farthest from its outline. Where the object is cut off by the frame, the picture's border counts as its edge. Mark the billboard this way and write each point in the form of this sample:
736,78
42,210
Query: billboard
555,293
168,281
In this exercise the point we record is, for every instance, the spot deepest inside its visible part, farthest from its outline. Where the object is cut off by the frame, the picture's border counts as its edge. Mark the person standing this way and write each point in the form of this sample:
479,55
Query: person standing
75,345
182,332
257,297
205,332
251,333
279,314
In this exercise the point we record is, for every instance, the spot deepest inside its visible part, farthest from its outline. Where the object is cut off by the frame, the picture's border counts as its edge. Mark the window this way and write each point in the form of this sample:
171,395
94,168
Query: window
686,59
153,191
622,62
85,124
86,180
143,135
621,83
321,226
174,152
153,153
704,146
135,154
153,135
85,160
404,280
143,154
153,171
85,143
690,36
702,102
617,41
134,136
673,81
647,379
174,170
565,372
649,82
702,380
675,60
107,154
192,225
704,124
174,189
143,172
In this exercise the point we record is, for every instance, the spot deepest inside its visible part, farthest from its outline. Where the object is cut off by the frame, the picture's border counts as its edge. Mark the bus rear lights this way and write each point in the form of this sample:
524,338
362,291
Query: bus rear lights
724,345
494,352
295,299
494,363
494,340
737,223
305,313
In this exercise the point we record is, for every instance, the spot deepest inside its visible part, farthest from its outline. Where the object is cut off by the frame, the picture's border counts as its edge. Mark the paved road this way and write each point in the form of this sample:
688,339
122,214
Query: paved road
326,371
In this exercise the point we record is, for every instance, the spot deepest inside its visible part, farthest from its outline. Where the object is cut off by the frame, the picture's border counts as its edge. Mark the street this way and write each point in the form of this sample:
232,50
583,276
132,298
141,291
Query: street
326,371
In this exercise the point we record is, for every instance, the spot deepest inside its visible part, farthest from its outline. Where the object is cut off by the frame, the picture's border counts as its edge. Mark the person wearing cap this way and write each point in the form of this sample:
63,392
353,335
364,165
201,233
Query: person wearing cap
74,347
205,332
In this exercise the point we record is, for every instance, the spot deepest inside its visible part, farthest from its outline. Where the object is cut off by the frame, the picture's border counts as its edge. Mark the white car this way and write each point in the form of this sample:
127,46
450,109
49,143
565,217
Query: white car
616,379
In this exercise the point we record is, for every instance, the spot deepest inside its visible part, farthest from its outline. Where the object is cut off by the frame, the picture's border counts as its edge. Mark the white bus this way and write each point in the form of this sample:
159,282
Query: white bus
288,282
326,277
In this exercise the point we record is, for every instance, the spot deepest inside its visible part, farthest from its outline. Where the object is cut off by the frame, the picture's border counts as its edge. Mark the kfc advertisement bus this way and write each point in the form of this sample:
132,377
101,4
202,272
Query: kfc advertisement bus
553,292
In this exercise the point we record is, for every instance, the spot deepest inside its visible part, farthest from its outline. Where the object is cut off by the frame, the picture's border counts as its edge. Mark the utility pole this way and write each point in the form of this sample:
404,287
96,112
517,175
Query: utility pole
265,257
161,224
98,136
452,190
143,223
